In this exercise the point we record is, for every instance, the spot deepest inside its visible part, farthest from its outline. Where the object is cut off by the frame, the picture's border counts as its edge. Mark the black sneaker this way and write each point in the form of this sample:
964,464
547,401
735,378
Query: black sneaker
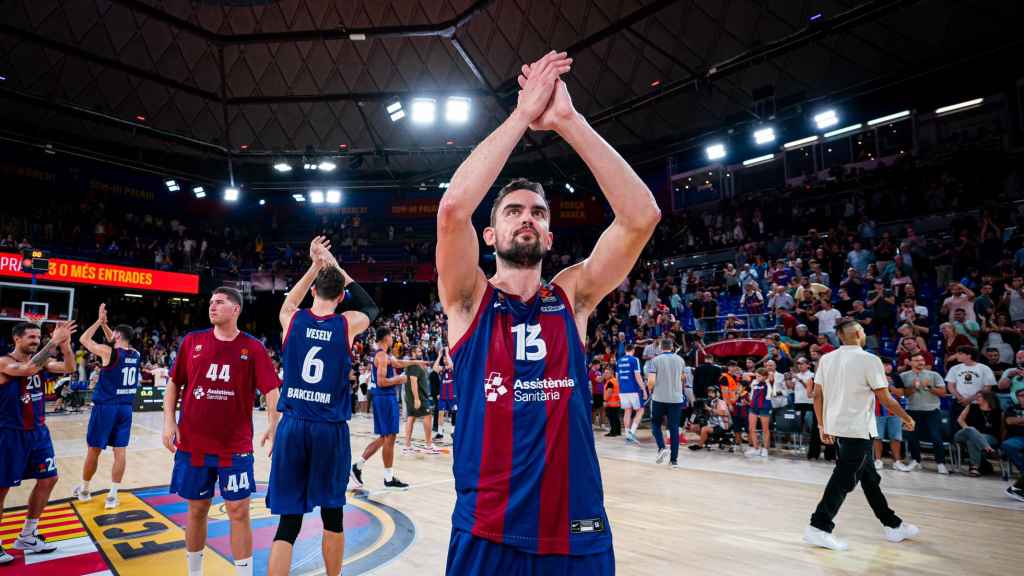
438,436
1015,493
696,447
357,475
395,484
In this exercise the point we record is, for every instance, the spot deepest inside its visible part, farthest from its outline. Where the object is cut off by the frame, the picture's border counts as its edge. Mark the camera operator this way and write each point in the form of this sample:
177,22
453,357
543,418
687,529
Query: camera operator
718,420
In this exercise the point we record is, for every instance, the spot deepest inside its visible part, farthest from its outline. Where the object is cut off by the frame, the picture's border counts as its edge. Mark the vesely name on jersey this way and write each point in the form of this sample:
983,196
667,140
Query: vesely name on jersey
310,395
541,390
314,334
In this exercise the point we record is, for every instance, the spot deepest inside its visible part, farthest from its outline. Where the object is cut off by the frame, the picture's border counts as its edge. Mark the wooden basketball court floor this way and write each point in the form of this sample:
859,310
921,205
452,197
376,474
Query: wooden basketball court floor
720,513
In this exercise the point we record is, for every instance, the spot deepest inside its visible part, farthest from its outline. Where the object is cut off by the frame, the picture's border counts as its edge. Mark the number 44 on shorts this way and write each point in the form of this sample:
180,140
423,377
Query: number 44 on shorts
238,482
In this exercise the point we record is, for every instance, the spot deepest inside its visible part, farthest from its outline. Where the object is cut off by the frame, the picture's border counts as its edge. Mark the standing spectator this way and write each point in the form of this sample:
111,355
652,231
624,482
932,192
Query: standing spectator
951,343
817,276
883,309
1013,298
859,258
890,428
968,379
705,375
853,284
827,318
780,298
924,390
844,304
983,304
666,380
597,393
760,411
992,360
704,312
980,428
965,327
960,298
753,303
612,402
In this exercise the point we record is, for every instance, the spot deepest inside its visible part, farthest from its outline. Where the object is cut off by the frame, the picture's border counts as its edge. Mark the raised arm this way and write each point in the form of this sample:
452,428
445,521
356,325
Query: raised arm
636,212
461,282
298,292
86,339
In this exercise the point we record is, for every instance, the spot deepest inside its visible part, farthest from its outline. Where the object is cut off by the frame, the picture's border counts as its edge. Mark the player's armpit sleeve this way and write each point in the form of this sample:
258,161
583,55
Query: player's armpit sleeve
361,301
179,373
264,373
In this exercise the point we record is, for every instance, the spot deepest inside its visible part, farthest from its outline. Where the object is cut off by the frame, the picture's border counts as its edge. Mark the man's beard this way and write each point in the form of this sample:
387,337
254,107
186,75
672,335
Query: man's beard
521,255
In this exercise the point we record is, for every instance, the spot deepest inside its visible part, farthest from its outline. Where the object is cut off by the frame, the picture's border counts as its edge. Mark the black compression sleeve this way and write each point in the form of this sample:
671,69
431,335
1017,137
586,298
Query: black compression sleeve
361,301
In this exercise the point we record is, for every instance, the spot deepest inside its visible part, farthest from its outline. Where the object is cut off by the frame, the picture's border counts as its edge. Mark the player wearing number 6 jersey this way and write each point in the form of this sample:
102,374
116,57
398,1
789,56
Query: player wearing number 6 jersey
216,375
110,423
528,488
311,456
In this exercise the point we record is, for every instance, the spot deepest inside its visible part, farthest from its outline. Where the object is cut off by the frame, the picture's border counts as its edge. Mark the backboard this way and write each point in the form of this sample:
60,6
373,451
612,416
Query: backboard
36,303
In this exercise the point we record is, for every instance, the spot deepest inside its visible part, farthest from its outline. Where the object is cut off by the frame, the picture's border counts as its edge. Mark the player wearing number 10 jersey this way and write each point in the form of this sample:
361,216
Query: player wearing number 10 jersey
312,453
216,375
110,423
529,498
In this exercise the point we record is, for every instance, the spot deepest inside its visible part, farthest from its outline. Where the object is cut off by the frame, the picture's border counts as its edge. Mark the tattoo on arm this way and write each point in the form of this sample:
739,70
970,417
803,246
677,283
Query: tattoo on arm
41,357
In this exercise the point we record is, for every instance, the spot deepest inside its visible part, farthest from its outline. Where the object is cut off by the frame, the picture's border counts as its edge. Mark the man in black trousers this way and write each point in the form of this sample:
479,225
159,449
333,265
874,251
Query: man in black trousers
849,380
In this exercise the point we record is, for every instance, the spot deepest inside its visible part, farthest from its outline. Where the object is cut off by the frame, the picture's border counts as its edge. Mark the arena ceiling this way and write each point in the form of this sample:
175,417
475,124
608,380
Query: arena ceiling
182,85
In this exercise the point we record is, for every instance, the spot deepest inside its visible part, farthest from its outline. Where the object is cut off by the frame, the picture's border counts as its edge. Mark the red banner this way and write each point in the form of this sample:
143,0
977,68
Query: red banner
96,273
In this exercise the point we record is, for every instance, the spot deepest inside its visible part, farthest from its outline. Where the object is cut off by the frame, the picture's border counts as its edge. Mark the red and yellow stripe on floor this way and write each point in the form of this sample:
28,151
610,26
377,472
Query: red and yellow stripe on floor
58,522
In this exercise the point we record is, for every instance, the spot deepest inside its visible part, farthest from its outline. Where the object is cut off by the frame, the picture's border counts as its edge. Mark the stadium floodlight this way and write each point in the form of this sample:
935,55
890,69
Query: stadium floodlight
966,105
570,188
715,151
759,160
172,186
283,167
395,111
826,119
443,185
424,110
231,194
764,135
890,118
456,110
316,196
263,202
843,130
299,197
326,166
800,142
334,196
199,192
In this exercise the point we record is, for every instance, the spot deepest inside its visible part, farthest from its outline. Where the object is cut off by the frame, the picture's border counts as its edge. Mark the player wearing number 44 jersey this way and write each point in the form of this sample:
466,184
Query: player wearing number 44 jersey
529,498
216,375
110,422
312,453
26,450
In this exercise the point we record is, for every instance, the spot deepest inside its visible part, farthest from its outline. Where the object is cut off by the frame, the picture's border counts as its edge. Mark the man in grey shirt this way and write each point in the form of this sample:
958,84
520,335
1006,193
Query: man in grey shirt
665,379
923,390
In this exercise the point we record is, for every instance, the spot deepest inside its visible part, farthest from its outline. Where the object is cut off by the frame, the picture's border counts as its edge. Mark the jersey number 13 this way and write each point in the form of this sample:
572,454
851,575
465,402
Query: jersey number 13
529,345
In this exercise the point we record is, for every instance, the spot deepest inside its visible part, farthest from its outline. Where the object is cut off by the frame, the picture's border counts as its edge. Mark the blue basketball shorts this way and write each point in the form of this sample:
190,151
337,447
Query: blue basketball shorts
385,414
109,425
447,405
309,466
236,481
469,556
25,455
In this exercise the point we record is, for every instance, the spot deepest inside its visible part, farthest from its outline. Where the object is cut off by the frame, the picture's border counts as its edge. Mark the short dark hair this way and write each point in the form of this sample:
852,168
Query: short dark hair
517,184
21,327
232,294
969,350
844,324
329,283
667,344
382,333
127,332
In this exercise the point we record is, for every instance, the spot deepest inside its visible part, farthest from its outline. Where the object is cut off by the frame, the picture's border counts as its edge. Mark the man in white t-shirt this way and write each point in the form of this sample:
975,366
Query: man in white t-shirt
848,382
827,318
967,379
160,376
960,299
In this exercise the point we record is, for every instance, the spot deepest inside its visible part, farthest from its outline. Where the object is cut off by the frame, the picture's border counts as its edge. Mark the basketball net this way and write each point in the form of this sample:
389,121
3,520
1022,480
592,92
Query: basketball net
35,318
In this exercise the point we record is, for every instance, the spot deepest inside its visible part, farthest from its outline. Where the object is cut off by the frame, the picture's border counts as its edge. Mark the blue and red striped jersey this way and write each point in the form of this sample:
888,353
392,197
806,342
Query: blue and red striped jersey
317,362
22,404
447,385
526,472
119,379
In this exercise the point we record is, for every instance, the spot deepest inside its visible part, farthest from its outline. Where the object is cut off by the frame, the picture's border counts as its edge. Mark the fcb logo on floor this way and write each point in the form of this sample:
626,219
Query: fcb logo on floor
146,536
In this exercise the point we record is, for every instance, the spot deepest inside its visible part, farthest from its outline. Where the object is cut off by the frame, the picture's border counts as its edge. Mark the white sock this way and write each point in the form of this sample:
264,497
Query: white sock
360,462
388,475
195,563
243,567
635,425
114,487
30,526
85,486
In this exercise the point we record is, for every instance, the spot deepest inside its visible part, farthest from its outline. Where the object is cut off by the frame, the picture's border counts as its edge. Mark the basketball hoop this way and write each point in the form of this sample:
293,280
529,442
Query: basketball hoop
35,318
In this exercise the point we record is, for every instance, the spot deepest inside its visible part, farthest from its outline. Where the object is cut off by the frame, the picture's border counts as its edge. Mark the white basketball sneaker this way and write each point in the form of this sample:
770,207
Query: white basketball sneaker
823,539
81,493
110,502
661,455
34,543
904,532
